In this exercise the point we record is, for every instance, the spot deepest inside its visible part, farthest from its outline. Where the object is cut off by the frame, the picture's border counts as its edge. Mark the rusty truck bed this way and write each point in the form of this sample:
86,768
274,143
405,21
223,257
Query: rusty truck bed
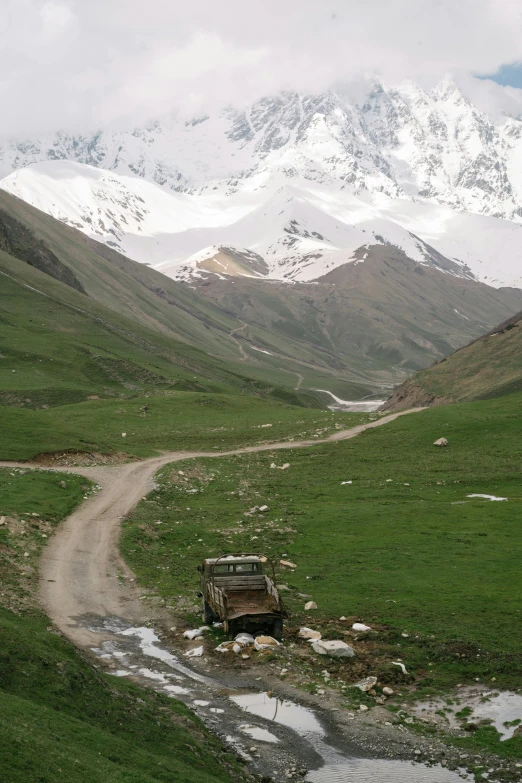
240,595
240,602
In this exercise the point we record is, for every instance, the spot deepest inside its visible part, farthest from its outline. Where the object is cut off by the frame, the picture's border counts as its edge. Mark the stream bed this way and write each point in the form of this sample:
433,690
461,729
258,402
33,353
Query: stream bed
279,738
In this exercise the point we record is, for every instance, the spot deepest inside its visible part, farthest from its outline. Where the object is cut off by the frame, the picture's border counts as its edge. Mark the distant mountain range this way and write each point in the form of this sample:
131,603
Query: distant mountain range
294,187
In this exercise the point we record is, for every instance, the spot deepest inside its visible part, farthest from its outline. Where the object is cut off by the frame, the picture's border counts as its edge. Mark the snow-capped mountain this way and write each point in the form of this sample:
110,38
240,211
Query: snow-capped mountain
299,182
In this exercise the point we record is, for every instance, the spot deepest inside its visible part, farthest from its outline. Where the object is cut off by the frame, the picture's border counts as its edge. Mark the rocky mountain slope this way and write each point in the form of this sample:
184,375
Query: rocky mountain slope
488,367
357,331
302,181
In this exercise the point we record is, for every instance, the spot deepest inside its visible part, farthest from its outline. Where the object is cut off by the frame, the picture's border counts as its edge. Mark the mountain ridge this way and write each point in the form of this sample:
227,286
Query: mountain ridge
430,164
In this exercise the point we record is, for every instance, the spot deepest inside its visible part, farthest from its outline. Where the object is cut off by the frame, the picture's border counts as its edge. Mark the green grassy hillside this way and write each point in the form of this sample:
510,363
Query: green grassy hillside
358,331
61,719
60,349
489,367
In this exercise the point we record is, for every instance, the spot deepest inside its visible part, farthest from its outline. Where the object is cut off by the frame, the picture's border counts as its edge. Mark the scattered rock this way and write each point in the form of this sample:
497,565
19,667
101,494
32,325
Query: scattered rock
225,647
388,691
288,564
197,652
123,434
195,633
363,708
63,485
441,442
335,648
310,605
366,684
263,508
308,633
361,627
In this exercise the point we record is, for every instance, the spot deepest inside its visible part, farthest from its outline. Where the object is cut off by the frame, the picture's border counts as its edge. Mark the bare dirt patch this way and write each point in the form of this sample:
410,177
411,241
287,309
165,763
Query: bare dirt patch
80,459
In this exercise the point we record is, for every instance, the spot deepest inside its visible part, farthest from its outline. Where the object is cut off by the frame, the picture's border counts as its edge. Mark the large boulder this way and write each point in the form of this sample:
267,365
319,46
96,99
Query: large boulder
335,648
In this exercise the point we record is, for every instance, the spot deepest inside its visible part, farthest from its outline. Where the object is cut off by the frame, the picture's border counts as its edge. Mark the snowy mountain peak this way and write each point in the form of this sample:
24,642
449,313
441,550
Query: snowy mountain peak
302,181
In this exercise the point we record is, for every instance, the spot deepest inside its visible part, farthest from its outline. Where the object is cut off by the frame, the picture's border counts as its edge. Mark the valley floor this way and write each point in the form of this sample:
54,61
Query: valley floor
382,530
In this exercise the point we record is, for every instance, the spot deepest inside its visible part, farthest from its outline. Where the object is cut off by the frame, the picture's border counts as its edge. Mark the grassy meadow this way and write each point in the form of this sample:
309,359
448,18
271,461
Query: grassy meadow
402,547
60,718
166,422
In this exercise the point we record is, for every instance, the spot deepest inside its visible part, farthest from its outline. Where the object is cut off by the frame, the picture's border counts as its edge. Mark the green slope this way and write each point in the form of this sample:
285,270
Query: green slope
488,367
60,718
131,289
359,330
69,364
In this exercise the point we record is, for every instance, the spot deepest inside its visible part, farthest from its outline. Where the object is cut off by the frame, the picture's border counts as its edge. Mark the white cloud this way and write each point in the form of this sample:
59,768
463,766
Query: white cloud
56,21
75,65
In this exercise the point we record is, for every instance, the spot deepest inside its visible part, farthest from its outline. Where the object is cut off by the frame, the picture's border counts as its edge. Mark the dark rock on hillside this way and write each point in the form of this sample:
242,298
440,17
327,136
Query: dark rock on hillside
21,243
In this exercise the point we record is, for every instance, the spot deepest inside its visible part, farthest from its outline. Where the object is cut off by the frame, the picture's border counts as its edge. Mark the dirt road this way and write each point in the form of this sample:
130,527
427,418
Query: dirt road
82,571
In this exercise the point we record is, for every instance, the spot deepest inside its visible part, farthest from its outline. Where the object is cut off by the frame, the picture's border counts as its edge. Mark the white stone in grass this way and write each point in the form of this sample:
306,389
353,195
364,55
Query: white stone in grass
335,648
308,633
361,627
365,685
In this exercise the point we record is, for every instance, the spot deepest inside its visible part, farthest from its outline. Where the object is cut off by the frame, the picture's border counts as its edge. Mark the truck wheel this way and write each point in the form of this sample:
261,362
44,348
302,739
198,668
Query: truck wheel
208,615
277,629
231,629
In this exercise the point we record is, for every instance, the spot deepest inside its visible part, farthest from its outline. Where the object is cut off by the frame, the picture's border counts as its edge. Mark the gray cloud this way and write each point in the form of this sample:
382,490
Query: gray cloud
77,65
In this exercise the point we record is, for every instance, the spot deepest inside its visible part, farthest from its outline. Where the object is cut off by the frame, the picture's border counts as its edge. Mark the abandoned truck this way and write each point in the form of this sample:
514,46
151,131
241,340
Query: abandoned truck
237,592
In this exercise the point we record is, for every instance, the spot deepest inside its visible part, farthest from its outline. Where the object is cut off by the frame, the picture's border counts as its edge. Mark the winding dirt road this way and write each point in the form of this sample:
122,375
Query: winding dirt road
82,572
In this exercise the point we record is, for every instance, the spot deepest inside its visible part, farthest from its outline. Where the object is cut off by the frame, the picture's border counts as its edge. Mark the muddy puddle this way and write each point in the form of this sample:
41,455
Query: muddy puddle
281,739
502,709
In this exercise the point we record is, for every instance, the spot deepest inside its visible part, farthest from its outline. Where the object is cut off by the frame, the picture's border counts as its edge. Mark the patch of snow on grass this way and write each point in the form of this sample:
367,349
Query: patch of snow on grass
486,497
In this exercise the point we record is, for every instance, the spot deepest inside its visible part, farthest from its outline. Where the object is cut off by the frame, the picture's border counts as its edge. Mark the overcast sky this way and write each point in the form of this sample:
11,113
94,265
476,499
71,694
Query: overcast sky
81,64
